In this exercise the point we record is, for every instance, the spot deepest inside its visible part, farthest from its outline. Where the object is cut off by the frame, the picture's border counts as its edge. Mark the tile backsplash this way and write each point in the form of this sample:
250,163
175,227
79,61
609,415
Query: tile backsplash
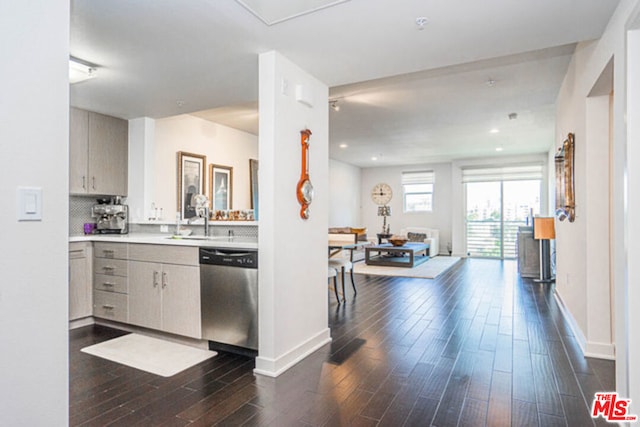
79,213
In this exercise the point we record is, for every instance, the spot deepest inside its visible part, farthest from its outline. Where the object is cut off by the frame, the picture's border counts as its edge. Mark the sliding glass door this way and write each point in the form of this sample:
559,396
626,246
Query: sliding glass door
495,210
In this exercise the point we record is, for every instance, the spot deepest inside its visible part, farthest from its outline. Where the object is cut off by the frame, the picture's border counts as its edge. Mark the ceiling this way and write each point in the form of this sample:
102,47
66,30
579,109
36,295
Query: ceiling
407,93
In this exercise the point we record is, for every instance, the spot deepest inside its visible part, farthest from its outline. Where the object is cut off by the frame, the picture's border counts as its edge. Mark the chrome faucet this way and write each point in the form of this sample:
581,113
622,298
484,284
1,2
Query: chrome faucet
206,221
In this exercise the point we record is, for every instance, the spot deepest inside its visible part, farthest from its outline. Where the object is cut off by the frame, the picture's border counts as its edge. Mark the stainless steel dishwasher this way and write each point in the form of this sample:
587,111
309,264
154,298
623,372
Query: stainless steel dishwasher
229,299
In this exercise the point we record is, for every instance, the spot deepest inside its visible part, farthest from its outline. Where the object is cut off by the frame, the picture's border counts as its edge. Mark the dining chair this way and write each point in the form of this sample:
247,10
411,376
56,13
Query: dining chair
333,273
343,265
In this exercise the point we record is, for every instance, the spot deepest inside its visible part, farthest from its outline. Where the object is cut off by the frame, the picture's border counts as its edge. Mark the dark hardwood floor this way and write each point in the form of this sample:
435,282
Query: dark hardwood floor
477,346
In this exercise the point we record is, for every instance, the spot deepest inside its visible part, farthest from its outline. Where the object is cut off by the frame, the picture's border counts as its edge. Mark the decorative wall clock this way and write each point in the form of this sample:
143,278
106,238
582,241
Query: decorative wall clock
304,190
381,194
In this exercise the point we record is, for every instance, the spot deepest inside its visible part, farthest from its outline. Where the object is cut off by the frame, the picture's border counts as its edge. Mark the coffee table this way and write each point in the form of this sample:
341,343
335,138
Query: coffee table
408,255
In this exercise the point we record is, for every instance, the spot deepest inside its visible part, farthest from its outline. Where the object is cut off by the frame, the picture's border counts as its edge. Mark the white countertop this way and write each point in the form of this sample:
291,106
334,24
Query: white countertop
168,239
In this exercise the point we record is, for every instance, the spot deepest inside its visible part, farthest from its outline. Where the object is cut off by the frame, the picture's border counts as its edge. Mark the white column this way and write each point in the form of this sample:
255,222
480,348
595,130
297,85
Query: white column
293,251
142,168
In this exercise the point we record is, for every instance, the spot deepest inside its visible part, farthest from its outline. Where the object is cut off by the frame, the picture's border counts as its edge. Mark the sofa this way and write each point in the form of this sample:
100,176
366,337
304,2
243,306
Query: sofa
426,235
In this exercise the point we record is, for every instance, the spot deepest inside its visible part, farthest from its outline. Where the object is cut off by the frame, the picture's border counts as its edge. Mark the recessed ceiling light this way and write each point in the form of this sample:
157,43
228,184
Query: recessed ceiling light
421,22
374,158
499,148
495,130
343,145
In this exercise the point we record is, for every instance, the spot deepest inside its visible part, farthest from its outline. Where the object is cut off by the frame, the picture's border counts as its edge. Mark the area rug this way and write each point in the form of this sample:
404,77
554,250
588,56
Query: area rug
427,270
148,354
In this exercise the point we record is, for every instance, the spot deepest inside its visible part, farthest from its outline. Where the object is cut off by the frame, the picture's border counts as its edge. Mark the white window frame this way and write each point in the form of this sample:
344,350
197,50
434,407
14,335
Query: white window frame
417,178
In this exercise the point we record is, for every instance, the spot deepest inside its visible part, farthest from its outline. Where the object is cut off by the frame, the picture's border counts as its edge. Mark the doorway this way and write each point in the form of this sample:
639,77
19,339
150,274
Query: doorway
494,211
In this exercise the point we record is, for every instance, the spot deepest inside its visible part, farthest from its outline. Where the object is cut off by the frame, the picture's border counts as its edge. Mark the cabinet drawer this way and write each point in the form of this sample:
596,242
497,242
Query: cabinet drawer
111,250
79,250
184,255
105,282
111,305
111,267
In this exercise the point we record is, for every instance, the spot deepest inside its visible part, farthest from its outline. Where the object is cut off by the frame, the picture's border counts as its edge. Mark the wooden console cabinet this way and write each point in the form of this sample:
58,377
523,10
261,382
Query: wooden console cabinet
528,253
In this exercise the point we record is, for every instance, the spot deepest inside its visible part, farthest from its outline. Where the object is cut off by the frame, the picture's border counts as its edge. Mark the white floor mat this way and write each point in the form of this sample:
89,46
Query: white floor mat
152,355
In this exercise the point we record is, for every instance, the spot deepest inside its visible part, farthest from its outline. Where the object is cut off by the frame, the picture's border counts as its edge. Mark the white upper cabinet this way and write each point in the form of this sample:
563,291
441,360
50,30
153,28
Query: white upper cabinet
98,153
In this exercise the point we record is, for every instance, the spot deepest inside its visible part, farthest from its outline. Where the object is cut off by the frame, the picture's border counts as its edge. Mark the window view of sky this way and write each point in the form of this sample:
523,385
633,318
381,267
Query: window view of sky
483,200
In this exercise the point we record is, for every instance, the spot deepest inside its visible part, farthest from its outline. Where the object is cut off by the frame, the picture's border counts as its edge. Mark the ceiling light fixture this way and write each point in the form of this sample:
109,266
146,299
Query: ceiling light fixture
499,148
494,130
343,145
80,71
334,105
421,22
374,158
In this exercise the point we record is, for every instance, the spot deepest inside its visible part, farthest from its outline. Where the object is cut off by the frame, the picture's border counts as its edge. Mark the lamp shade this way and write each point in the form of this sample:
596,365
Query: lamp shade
384,210
544,228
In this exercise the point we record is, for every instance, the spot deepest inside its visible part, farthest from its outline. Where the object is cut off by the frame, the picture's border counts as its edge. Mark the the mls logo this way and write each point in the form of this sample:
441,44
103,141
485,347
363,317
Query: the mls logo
612,408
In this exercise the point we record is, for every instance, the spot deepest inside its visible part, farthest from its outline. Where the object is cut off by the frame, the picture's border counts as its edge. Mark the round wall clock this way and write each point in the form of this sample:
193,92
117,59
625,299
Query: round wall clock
304,190
381,194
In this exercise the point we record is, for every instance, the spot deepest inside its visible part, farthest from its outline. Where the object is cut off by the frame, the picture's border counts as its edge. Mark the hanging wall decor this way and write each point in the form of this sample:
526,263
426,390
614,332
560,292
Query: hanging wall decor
565,192
304,190
191,179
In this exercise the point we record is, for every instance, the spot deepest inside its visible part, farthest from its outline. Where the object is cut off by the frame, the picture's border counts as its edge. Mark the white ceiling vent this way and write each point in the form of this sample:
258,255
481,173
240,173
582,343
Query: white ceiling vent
273,12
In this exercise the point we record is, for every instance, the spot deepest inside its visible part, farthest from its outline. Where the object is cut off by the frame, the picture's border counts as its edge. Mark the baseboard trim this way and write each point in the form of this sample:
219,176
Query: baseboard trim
588,348
79,323
274,367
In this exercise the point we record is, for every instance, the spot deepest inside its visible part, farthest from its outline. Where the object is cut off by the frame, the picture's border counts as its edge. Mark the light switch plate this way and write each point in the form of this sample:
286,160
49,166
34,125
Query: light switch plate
29,201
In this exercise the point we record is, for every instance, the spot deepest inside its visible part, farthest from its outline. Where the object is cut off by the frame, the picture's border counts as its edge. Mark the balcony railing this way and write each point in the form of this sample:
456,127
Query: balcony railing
484,238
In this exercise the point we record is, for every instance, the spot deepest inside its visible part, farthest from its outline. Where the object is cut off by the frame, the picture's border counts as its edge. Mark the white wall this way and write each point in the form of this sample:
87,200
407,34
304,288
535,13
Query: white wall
575,240
293,251
439,218
34,136
345,185
222,145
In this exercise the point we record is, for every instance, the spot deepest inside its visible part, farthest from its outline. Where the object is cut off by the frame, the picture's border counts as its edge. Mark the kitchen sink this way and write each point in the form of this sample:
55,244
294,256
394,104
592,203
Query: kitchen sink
198,237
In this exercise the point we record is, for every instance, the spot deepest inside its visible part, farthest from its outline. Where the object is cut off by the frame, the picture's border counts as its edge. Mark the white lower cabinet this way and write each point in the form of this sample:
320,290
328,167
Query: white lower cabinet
110,283
80,295
165,296
110,306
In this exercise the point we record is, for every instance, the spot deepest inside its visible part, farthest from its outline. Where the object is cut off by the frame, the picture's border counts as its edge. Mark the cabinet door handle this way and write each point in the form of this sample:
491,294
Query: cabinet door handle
107,307
84,185
155,279
108,269
164,280
108,253
108,284
94,182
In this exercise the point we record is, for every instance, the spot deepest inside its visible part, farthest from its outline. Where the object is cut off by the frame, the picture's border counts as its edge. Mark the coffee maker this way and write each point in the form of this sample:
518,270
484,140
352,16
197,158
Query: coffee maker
111,218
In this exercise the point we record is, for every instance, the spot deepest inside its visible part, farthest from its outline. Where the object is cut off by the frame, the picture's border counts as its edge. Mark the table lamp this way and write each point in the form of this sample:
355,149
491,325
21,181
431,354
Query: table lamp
384,212
544,230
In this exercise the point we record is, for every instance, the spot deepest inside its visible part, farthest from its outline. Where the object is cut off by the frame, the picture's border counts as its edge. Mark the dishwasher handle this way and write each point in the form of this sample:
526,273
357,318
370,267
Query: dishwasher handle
235,258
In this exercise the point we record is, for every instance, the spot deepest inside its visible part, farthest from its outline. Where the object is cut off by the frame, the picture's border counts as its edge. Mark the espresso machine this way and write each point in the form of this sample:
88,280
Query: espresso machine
111,218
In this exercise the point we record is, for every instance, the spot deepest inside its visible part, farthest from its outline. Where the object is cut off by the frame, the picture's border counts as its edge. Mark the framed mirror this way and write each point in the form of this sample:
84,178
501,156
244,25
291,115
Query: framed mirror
565,195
